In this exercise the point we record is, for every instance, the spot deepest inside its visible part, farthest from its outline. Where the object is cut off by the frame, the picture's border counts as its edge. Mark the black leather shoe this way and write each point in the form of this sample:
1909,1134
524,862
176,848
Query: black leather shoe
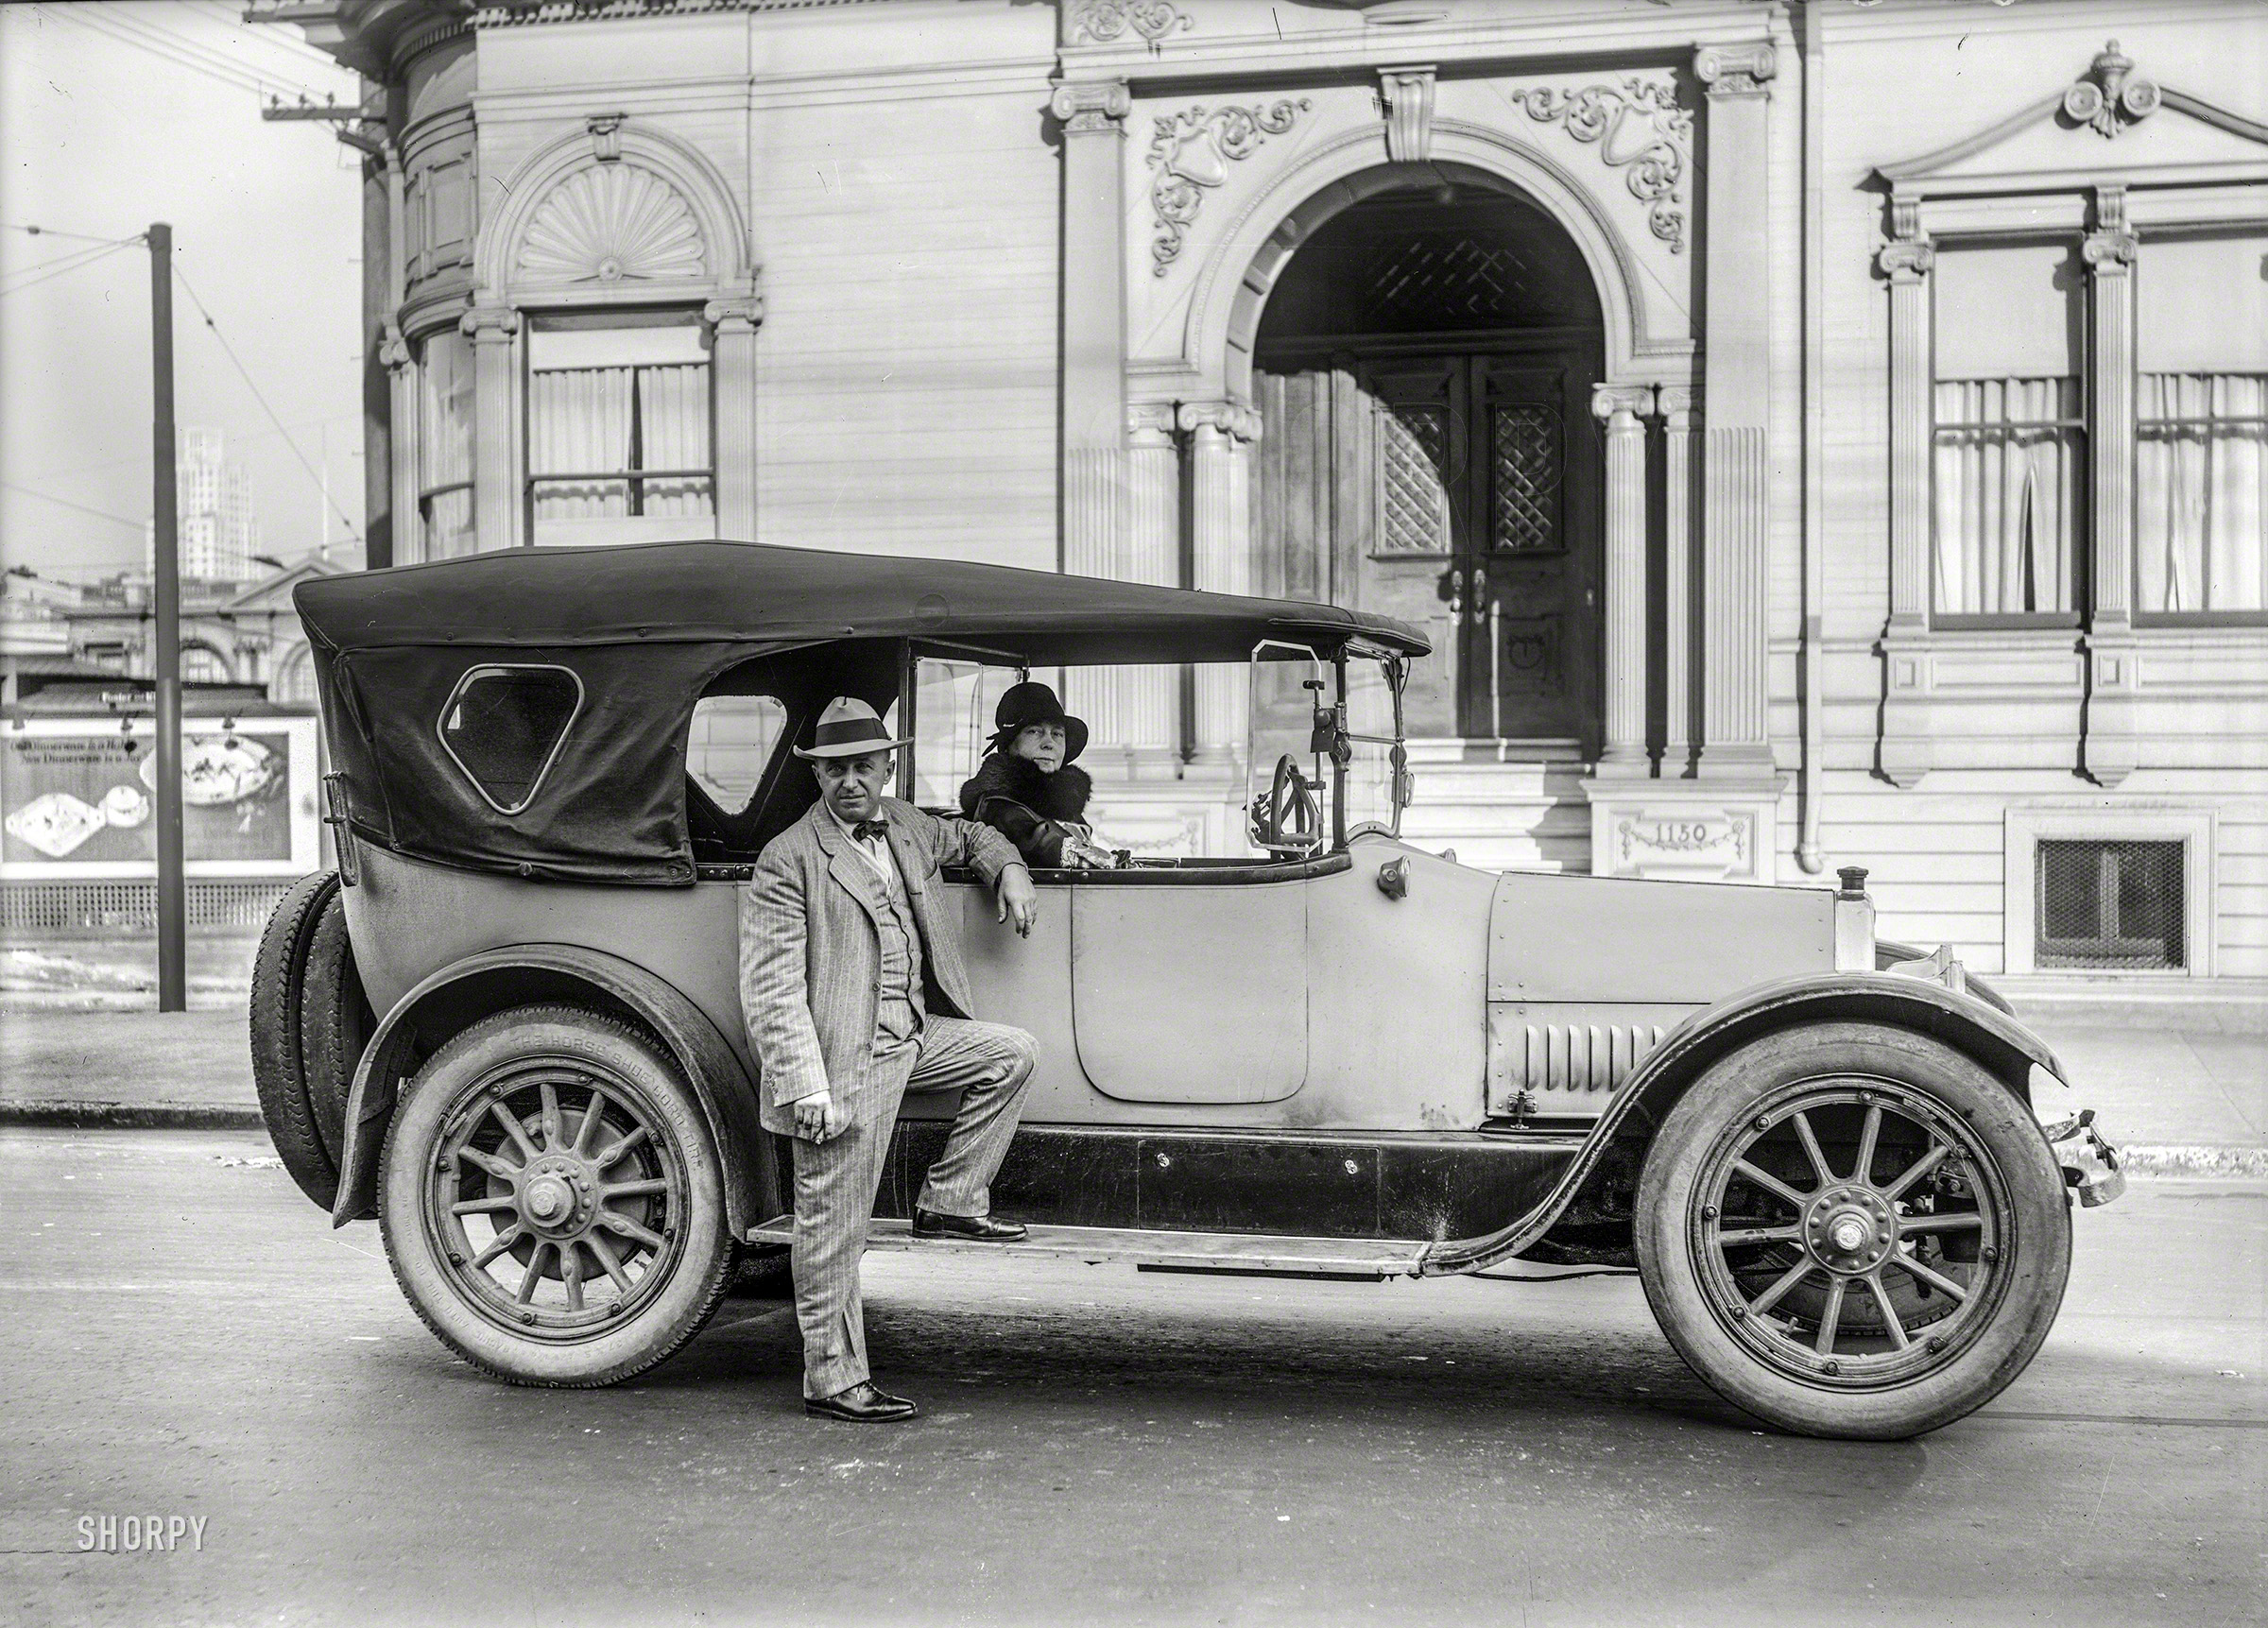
981,1229
860,1404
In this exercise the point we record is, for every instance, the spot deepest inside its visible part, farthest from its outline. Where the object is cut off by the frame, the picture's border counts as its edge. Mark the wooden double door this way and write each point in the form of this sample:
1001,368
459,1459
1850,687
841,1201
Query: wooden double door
1457,486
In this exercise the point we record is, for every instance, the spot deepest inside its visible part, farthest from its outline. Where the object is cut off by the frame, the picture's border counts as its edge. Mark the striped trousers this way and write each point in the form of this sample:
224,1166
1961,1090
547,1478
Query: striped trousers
836,1180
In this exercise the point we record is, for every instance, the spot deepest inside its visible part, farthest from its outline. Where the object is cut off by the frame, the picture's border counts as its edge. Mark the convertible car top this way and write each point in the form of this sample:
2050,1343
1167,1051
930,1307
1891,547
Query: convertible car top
645,629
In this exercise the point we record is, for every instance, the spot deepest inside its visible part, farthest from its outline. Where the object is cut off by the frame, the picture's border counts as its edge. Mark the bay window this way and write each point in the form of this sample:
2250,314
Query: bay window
445,445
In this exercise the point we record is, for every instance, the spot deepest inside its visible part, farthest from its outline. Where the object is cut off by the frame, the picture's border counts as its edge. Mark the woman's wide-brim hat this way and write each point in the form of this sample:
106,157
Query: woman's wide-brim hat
1032,702
848,728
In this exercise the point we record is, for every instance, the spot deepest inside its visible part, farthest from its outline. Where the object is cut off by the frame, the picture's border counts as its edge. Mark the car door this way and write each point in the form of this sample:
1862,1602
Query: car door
1190,986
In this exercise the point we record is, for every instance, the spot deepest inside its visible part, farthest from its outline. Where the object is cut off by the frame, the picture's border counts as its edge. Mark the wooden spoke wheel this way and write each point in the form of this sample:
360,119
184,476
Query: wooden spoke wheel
1849,1230
551,1199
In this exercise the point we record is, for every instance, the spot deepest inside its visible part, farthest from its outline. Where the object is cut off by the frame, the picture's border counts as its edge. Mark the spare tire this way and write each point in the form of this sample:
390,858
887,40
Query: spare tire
335,1023
280,1059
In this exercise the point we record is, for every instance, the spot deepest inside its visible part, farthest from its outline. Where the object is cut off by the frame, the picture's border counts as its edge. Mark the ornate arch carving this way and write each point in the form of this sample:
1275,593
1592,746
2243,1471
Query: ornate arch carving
614,207
1234,282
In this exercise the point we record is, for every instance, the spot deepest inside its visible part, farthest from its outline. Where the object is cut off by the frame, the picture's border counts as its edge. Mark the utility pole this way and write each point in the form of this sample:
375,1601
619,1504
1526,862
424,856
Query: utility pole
173,901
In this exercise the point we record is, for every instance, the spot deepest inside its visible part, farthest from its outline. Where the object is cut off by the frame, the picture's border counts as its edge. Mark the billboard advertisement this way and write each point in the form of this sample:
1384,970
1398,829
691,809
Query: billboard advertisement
79,799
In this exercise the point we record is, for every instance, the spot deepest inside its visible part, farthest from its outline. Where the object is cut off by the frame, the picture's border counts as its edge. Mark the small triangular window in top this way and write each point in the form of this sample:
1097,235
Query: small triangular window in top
503,726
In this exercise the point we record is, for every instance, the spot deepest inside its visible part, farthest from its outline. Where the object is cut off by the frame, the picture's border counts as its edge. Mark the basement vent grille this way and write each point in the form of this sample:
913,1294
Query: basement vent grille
2110,906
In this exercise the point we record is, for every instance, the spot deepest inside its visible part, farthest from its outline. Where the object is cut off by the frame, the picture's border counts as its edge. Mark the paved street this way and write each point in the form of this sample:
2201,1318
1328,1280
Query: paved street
188,1337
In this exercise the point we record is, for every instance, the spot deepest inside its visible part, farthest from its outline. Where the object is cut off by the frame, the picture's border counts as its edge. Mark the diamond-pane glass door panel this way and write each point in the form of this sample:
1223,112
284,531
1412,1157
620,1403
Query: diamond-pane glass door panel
1413,471
1525,474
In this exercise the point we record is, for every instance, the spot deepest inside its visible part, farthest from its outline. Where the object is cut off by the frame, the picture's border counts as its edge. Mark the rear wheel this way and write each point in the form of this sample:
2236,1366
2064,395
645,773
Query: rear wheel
1853,1230
551,1199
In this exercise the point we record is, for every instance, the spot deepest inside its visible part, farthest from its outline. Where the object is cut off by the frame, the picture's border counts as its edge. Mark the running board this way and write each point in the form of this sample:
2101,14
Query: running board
1231,1252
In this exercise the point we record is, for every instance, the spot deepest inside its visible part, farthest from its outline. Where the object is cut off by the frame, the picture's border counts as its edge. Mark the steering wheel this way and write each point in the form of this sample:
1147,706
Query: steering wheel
1290,819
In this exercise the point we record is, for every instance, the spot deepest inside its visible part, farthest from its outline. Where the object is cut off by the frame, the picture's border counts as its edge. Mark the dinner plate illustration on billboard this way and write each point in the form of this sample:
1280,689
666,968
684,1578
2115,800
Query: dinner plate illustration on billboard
56,823
217,770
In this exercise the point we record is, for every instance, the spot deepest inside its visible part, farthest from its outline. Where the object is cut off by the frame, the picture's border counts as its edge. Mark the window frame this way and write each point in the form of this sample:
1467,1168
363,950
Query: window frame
536,782
2194,826
604,320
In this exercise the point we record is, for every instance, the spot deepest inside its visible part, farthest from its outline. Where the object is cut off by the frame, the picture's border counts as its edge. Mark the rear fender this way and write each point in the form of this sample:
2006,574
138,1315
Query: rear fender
494,981
2003,1047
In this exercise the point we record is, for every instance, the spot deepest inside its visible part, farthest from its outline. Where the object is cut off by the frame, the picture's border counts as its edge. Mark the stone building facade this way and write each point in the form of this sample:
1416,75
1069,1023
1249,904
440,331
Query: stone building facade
1813,434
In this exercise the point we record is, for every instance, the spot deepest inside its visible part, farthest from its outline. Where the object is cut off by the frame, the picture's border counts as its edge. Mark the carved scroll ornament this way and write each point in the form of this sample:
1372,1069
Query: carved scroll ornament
1108,20
1638,127
1190,153
2111,94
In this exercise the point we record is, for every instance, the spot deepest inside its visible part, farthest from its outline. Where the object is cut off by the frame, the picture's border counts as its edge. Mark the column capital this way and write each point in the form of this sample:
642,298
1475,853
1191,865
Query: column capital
393,351
1150,424
489,324
1741,70
2109,251
1231,419
1680,404
1907,259
1408,96
738,311
1621,405
1089,105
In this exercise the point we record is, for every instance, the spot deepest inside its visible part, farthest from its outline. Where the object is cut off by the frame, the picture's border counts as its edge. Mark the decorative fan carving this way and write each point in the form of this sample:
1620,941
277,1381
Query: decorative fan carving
613,223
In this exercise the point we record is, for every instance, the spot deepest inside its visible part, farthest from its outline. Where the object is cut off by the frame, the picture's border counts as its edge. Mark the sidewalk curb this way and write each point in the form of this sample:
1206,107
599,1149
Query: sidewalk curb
88,1116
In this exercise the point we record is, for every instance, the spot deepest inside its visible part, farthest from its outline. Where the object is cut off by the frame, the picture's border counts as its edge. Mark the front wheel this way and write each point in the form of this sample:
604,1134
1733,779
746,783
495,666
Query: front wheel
552,1201
1853,1230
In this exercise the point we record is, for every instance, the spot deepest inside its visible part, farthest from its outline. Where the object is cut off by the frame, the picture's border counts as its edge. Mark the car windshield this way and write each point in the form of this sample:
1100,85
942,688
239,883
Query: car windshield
1317,756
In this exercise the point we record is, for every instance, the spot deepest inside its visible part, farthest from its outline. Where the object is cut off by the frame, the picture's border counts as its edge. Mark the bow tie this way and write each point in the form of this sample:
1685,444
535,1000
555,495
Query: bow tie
870,830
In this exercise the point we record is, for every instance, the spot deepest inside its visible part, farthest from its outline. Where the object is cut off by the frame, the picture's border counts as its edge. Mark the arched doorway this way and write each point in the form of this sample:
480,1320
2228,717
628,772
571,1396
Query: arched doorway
1423,370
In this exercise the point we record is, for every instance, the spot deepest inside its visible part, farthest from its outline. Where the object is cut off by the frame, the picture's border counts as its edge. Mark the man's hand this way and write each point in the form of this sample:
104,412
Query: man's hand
816,1117
1019,898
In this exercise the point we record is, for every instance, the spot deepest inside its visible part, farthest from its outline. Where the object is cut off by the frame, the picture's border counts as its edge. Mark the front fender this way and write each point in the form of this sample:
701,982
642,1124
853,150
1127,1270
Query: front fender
493,981
1995,1039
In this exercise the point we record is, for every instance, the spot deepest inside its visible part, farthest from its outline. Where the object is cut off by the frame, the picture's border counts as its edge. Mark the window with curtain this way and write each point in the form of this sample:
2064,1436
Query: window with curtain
618,416
2009,442
2201,430
445,445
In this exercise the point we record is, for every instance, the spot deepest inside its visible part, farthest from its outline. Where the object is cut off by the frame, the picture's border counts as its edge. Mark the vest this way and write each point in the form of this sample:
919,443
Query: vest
899,1011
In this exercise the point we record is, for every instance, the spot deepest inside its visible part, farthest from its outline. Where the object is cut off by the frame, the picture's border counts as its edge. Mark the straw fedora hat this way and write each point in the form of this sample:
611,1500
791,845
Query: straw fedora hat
848,728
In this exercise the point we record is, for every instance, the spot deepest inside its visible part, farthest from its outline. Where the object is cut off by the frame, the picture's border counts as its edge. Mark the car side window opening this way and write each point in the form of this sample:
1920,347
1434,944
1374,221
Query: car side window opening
503,724
730,743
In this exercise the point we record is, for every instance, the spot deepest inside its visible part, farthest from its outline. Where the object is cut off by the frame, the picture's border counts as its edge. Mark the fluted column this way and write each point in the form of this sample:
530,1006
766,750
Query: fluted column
732,324
496,509
1622,408
1737,375
1150,695
406,437
1094,323
1220,441
1680,421
1907,261
2113,680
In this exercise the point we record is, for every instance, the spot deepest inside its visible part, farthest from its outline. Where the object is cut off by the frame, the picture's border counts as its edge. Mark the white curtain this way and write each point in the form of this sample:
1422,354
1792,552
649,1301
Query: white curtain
579,423
445,480
673,412
2009,460
2201,492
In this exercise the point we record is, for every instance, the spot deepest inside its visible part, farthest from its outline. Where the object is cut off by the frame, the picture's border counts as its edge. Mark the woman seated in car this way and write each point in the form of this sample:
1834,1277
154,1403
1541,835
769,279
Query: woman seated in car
1027,789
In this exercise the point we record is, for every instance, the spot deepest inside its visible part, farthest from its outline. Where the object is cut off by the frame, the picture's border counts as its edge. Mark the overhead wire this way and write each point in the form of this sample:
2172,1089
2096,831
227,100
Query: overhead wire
58,232
199,50
170,47
50,269
273,416
66,503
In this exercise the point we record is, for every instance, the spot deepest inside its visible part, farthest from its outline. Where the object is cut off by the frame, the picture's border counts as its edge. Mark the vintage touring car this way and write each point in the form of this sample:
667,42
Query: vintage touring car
508,1026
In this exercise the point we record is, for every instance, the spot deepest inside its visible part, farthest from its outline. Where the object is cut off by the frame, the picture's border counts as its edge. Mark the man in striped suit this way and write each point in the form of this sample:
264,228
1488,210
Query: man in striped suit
854,993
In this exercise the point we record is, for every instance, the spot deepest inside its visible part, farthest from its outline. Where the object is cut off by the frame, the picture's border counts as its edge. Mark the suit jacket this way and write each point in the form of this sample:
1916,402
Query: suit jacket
811,948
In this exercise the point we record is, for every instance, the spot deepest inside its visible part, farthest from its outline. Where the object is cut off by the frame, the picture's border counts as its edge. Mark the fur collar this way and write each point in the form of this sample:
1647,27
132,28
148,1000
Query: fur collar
1060,795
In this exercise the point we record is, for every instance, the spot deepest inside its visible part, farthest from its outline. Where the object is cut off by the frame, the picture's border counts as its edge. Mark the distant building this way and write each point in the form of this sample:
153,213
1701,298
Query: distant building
1812,433
232,632
219,532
